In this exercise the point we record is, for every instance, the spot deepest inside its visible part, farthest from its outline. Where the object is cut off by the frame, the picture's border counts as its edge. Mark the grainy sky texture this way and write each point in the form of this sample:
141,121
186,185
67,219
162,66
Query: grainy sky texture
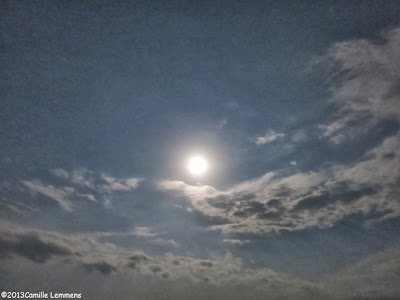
294,104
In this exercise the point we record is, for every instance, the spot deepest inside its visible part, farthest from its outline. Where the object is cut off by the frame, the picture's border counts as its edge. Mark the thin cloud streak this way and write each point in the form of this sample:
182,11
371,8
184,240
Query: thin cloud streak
268,138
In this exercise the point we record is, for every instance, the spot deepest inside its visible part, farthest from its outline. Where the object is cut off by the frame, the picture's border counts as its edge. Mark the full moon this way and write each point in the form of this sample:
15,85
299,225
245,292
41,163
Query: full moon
197,165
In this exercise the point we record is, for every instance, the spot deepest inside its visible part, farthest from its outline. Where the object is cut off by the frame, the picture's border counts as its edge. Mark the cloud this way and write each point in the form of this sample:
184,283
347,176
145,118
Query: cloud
303,200
102,267
60,195
80,177
166,242
155,269
367,96
369,89
144,231
222,123
84,250
236,241
373,277
195,192
113,184
335,191
100,182
82,184
268,138
88,253
31,246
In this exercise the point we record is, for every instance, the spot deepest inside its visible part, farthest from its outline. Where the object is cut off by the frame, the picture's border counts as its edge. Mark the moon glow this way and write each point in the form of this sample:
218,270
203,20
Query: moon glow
197,165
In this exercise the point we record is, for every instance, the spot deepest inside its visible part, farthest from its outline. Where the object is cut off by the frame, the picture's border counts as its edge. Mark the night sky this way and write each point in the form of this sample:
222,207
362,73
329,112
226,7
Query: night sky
294,105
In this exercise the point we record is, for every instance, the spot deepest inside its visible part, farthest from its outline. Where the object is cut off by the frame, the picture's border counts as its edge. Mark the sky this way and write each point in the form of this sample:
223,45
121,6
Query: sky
295,105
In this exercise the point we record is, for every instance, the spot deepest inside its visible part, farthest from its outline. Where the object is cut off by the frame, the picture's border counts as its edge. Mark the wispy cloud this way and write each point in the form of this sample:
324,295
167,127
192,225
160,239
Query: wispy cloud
222,123
113,184
374,275
97,181
236,241
369,89
268,138
60,195
141,232
82,184
144,231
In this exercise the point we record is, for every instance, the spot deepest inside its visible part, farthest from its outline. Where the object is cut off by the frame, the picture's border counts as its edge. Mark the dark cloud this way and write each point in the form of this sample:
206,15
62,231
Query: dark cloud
242,205
273,203
206,220
139,258
206,264
32,247
136,260
270,215
248,209
283,191
155,269
102,267
40,246
227,202
340,191
242,214
132,265
221,201
314,202
389,155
